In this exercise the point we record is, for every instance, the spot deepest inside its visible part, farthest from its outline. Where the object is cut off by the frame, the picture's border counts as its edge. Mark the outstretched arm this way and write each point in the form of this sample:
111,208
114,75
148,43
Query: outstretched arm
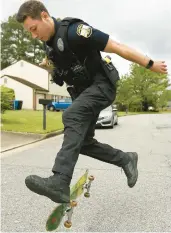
88,37
134,56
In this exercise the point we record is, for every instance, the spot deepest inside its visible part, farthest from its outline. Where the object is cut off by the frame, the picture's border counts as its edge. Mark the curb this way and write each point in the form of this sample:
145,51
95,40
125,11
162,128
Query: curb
46,136
52,134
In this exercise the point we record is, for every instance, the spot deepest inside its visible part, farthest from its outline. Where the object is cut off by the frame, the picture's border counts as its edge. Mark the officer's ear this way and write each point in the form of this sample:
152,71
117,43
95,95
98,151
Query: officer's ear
44,15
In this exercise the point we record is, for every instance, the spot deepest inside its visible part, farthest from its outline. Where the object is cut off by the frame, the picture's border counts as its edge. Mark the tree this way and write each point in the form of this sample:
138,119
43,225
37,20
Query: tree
17,44
141,88
127,97
164,98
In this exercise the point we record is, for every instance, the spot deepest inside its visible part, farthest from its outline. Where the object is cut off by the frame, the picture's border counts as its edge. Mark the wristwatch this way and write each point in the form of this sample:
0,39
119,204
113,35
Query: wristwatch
150,64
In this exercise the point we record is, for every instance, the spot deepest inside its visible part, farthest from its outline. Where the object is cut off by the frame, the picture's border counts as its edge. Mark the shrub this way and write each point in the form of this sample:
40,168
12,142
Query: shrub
7,97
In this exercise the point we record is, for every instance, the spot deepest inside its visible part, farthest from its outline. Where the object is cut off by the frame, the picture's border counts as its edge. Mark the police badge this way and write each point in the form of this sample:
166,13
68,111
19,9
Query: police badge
84,30
60,44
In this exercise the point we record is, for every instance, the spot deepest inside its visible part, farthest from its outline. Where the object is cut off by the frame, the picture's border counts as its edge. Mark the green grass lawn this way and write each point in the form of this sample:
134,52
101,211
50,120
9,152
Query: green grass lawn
129,113
31,121
135,113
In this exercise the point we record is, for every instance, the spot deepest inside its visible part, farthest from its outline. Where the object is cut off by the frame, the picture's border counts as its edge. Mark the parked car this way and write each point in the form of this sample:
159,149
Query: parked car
108,117
58,106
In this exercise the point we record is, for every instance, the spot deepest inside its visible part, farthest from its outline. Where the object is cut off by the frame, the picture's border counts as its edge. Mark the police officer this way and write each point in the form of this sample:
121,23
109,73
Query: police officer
74,48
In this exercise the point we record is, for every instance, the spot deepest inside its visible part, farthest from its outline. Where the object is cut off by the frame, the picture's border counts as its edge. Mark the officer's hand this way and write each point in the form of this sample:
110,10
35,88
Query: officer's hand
44,62
159,67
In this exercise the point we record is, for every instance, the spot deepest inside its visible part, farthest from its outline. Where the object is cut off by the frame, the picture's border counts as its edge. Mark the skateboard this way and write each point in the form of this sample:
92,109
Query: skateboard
66,209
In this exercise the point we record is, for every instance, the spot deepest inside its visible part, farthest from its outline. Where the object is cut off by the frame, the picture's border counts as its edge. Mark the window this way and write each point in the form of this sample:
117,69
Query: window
55,98
5,80
22,64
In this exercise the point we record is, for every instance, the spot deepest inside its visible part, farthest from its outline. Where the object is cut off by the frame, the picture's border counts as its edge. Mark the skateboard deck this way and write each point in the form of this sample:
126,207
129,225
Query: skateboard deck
55,218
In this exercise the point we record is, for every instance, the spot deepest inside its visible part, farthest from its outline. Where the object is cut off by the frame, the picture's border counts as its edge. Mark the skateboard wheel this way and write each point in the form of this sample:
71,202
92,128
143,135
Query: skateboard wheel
91,178
86,194
73,204
67,224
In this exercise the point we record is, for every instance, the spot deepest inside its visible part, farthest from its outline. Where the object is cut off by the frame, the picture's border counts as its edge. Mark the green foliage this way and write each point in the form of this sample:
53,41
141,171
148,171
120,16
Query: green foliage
164,98
17,44
142,88
7,97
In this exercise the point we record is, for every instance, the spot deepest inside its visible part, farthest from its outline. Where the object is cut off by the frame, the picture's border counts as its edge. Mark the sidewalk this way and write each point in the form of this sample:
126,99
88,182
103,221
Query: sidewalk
12,140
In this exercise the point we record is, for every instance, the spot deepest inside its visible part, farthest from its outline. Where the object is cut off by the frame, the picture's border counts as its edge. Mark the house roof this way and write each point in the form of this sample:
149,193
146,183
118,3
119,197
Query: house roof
25,82
48,69
41,67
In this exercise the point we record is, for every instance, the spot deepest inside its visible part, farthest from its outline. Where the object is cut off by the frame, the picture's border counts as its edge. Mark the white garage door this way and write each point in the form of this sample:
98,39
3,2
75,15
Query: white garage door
39,106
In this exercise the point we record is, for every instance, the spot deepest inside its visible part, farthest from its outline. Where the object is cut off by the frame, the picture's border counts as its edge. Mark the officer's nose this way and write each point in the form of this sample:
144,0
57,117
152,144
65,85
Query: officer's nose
34,36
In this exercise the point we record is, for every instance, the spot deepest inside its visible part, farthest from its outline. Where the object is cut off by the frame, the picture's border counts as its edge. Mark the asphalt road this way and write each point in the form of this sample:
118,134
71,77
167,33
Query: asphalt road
113,206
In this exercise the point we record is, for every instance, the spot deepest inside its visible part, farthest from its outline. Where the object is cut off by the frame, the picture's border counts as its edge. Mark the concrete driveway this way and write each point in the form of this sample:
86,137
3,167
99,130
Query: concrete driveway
113,206
10,140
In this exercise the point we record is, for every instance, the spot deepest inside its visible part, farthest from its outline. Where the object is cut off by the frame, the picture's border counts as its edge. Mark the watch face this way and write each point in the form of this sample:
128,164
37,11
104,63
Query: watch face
60,44
149,65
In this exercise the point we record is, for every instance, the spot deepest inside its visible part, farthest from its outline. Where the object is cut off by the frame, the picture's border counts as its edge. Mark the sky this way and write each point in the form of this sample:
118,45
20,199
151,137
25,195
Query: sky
144,25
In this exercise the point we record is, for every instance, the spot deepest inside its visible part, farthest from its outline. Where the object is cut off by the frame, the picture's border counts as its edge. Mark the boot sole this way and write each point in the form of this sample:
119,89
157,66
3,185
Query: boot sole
54,196
135,164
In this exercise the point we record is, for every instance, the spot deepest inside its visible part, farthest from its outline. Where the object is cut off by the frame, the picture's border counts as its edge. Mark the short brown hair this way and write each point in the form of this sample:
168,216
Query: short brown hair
32,8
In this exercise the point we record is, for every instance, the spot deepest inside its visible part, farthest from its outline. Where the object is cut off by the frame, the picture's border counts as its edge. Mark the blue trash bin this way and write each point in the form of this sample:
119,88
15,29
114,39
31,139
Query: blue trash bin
15,104
18,104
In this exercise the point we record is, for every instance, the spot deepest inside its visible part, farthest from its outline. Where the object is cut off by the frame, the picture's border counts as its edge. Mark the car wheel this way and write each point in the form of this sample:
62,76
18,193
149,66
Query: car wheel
116,123
112,124
51,108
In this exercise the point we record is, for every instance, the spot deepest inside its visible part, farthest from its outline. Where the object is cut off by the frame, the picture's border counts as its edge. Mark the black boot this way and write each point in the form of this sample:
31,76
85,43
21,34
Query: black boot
131,170
55,187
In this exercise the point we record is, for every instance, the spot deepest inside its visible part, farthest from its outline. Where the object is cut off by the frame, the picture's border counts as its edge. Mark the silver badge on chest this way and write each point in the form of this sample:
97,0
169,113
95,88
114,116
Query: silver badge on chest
60,44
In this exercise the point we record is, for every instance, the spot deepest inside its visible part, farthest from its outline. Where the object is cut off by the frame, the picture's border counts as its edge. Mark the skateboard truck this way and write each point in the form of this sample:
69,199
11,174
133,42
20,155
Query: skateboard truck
87,186
73,204
69,213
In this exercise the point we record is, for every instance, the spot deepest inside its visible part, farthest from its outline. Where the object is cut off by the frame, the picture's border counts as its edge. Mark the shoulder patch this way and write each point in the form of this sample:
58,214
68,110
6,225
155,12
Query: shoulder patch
84,30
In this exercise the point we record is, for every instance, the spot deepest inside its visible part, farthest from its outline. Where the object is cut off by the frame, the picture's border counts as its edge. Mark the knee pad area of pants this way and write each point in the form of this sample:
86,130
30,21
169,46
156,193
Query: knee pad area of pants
69,118
79,115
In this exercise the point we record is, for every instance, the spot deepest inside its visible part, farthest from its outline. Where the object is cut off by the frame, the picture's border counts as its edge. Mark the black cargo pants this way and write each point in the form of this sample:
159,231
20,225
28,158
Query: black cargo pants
79,125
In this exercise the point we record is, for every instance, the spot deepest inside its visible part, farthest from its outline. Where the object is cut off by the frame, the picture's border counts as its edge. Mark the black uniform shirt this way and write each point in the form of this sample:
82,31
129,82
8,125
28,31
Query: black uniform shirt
83,38
85,42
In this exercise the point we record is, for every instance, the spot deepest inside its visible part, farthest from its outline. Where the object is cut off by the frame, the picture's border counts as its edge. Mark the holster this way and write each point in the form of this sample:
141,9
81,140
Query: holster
75,91
71,90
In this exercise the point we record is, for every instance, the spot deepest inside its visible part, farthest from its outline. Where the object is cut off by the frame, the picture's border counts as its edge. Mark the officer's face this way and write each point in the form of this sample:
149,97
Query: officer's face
41,29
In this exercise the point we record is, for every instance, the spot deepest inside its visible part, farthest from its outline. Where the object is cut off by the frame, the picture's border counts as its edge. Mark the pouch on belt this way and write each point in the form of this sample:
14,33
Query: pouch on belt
110,70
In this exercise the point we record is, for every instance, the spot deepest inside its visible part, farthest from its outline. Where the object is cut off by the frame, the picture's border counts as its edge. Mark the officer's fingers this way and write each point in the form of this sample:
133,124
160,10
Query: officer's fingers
41,64
44,62
164,66
162,63
163,69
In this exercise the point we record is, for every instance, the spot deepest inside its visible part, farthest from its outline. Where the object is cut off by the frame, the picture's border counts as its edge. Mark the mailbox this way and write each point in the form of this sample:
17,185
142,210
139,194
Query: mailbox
45,101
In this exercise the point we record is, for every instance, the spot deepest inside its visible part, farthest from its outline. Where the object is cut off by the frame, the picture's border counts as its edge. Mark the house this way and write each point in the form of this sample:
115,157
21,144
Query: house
31,83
